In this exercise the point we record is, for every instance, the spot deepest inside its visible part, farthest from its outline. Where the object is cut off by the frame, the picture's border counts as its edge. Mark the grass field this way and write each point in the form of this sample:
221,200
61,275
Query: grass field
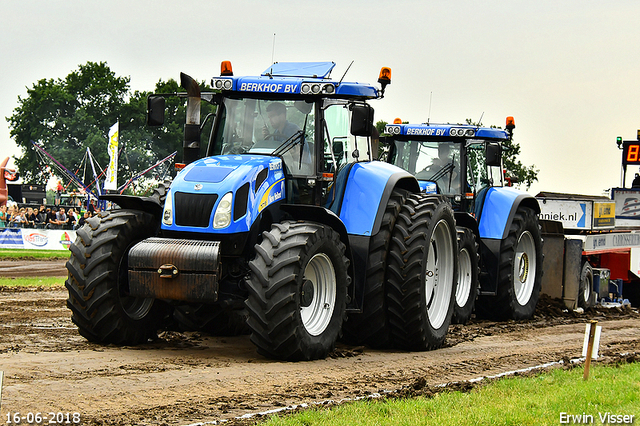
556,397
32,282
33,254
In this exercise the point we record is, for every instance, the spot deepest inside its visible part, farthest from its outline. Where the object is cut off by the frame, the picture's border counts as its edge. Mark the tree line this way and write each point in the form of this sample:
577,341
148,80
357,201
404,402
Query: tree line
67,116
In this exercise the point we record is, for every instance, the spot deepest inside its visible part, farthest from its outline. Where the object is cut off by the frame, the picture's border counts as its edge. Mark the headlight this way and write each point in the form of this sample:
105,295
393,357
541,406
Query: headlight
222,217
167,214
392,130
317,88
221,83
456,131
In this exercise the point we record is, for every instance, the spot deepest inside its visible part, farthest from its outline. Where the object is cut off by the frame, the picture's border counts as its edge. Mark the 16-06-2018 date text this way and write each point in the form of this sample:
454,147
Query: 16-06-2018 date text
46,418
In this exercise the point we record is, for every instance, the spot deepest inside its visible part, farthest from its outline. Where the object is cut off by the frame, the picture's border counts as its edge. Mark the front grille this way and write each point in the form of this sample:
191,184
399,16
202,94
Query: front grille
193,209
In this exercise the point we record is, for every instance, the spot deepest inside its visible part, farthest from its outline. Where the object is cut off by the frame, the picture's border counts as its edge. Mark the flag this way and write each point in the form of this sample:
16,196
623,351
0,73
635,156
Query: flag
111,181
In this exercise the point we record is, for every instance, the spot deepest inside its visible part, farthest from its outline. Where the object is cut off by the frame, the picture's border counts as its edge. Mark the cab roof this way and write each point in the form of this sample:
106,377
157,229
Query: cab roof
296,78
425,131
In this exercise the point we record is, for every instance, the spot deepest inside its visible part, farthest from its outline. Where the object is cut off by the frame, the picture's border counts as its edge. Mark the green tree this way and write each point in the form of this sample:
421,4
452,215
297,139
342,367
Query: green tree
67,116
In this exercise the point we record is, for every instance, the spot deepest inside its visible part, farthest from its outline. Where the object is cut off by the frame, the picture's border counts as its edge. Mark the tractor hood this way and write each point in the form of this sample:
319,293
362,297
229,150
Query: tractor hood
223,194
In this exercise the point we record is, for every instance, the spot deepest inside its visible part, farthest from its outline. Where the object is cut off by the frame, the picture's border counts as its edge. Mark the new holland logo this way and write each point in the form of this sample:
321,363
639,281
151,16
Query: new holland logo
37,239
197,186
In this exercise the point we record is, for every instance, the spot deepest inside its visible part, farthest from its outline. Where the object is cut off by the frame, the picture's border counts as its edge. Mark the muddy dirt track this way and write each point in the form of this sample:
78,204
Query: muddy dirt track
185,378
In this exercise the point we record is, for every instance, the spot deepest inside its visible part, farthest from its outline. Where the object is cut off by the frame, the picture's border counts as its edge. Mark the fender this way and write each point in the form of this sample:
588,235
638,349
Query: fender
498,208
499,205
367,193
147,204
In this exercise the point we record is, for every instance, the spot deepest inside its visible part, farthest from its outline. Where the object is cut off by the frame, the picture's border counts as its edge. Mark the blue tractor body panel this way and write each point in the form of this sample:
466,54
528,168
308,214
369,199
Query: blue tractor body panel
364,195
497,211
219,175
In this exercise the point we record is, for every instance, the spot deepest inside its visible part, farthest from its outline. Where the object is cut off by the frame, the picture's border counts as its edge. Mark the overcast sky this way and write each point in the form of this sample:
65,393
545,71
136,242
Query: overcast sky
567,70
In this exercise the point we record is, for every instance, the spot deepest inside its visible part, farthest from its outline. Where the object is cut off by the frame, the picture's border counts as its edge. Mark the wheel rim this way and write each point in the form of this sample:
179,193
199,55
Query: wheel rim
524,268
439,274
586,292
320,276
464,278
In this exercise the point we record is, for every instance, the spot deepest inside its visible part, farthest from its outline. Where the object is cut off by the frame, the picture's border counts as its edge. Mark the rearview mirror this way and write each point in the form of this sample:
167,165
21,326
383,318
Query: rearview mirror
155,111
361,120
493,154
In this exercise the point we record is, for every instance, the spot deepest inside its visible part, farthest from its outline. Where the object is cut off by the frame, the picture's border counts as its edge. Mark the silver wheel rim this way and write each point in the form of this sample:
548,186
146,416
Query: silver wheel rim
524,268
317,316
439,274
464,278
587,288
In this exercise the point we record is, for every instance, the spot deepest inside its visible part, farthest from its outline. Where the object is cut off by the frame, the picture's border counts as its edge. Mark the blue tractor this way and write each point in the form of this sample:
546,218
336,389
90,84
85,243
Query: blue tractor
499,237
281,227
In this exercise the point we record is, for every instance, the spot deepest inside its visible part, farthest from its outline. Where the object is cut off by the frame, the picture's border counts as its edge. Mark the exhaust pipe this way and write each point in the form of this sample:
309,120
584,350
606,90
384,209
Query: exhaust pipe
191,144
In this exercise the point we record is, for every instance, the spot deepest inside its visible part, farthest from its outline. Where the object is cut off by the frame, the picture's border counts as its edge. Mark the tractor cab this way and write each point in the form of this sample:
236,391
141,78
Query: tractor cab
459,161
291,127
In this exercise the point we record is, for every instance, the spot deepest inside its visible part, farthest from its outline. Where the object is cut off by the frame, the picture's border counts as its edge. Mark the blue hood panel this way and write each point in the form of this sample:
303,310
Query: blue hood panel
259,178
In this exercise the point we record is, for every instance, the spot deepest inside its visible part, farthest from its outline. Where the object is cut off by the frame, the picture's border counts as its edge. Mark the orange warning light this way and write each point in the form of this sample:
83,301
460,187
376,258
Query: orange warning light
385,75
226,69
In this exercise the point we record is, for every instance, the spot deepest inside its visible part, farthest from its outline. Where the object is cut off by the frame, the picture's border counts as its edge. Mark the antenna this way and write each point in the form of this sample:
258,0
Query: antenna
480,121
429,116
345,73
273,47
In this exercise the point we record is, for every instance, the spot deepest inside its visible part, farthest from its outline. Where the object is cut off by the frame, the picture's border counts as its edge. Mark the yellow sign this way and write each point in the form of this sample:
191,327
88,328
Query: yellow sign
604,215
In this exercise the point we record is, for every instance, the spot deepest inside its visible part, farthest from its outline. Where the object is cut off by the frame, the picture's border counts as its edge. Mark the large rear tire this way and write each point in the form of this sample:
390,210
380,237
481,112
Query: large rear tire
422,273
468,272
520,271
371,326
297,291
98,282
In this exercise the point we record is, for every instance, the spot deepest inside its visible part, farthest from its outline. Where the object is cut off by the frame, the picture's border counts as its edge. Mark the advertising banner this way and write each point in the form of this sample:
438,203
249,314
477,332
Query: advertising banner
42,239
111,182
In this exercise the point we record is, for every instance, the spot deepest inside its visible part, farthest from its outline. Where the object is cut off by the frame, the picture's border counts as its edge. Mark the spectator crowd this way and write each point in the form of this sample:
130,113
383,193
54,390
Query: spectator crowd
43,217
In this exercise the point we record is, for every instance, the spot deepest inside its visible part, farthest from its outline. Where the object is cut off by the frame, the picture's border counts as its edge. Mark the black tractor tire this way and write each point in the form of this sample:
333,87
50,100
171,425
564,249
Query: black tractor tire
422,273
98,280
586,295
160,191
468,273
297,291
370,327
211,319
520,271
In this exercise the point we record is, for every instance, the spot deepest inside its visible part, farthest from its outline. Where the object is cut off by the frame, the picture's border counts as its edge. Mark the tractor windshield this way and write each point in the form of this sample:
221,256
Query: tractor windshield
433,161
273,127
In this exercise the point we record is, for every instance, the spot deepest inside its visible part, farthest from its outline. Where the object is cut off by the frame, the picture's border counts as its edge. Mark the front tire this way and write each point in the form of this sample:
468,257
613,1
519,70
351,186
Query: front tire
297,291
422,273
98,282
